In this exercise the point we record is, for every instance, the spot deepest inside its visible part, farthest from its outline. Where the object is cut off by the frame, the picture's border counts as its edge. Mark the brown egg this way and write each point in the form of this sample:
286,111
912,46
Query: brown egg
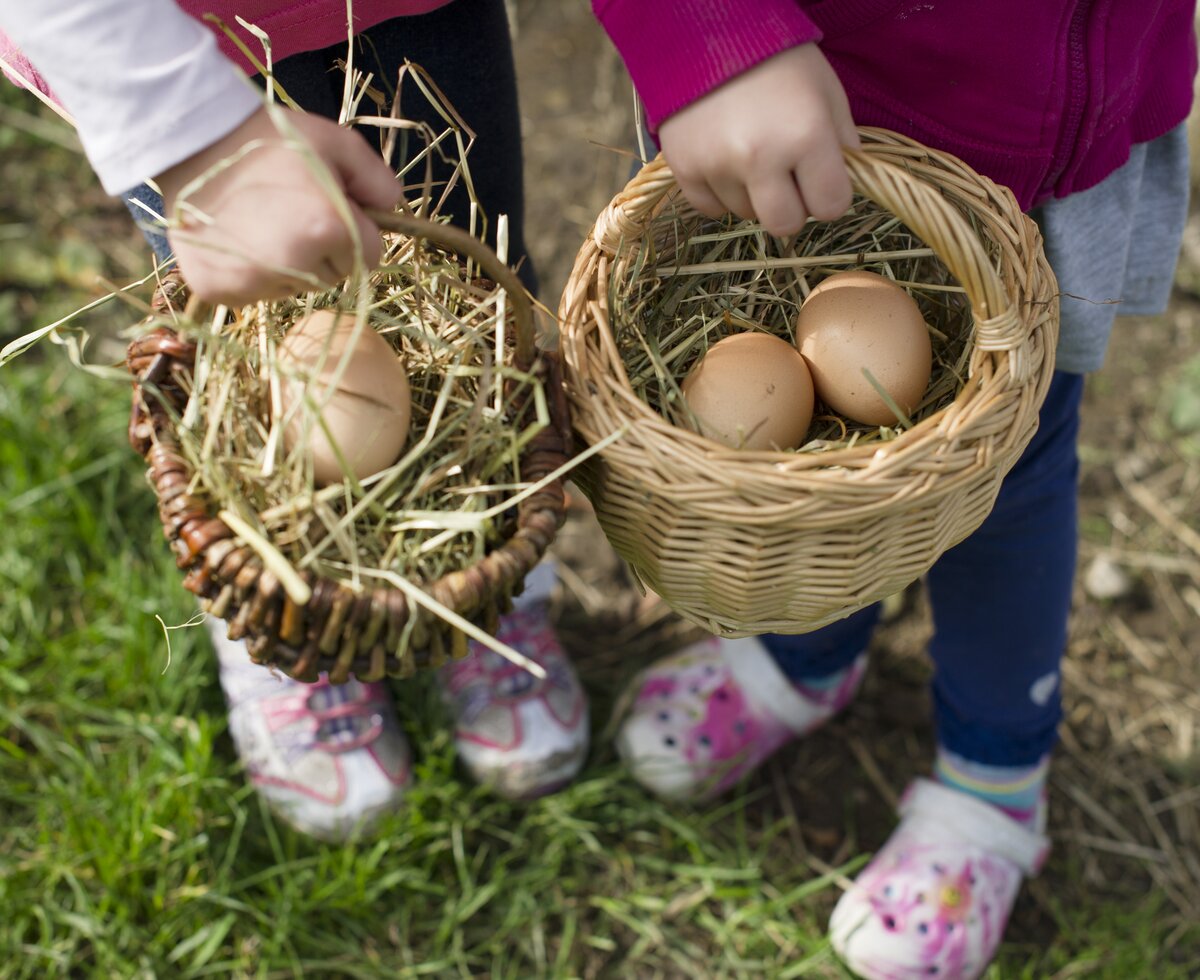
856,321
751,391
367,412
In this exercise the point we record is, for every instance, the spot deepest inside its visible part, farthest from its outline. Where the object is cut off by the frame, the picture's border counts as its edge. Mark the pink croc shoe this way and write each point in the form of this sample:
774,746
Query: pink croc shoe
520,735
936,898
330,760
705,717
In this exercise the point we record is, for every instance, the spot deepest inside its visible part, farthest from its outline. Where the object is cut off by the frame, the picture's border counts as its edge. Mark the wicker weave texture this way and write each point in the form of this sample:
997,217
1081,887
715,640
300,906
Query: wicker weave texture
744,543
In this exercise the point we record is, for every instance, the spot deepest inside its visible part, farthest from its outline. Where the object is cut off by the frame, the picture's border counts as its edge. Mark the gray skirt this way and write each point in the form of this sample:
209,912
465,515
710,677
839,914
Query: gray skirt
1114,247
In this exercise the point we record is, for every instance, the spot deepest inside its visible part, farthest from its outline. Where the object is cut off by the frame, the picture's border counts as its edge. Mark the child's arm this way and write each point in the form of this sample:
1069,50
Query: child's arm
154,98
748,112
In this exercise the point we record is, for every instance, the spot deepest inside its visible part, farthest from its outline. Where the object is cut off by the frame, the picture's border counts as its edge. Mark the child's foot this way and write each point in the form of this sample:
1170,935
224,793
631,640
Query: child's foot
935,899
518,734
330,760
705,717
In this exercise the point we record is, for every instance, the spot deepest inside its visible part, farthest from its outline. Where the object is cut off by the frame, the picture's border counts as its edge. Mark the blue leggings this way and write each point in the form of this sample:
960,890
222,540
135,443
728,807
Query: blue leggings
1000,603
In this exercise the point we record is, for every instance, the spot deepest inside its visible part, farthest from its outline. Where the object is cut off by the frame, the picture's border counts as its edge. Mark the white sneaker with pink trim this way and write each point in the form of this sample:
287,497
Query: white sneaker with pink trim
329,759
936,898
520,735
705,717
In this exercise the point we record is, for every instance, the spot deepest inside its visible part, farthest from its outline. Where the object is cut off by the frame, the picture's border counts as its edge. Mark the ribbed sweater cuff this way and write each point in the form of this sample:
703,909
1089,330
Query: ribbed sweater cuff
679,50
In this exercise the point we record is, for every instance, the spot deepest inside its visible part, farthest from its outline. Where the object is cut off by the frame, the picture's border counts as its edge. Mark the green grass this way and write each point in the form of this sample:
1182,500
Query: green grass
130,845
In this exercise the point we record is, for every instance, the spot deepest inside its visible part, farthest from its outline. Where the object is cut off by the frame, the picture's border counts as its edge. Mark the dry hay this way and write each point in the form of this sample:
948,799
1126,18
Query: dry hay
693,280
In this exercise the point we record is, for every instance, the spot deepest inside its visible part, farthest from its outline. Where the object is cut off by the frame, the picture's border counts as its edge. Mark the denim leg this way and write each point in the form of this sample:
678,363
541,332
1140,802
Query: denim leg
1001,600
148,219
823,652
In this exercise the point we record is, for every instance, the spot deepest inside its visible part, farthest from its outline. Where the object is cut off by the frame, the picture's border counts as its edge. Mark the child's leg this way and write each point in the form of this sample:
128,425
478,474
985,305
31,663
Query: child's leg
936,898
146,208
815,657
1001,600
520,735
329,760
702,719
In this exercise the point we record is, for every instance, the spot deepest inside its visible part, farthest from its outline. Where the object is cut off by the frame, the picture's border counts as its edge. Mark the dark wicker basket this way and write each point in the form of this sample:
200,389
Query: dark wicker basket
369,633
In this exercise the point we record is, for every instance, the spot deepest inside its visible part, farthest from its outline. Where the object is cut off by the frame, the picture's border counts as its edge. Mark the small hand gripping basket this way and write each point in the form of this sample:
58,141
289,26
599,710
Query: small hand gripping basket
337,624
750,542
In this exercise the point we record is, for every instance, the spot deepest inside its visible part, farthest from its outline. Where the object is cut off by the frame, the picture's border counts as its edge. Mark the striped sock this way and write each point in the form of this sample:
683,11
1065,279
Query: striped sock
833,691
826,683
1017,790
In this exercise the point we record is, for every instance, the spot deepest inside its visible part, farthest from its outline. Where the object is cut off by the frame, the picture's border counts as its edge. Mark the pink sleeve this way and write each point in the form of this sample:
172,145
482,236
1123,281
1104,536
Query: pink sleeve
19,70
678,50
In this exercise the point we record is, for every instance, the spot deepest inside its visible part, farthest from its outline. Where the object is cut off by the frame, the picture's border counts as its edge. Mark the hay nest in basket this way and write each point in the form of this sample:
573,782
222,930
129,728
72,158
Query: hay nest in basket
699,280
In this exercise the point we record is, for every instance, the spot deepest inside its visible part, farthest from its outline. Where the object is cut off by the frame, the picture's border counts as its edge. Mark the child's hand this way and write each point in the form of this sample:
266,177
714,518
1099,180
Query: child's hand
767,144
254,230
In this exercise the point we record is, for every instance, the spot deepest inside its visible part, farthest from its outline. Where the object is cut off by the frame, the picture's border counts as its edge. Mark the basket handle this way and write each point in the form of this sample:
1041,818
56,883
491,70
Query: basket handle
467,246
916,202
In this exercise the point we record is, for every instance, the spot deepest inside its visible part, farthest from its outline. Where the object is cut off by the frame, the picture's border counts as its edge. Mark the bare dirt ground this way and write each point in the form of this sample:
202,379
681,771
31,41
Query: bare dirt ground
1124,790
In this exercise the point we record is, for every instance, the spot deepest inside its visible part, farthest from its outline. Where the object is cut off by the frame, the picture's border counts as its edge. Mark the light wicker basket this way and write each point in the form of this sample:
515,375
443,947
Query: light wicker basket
744,543
341,629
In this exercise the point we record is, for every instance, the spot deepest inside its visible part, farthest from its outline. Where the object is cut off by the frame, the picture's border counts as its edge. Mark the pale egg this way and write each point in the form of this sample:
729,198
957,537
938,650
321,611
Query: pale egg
751,391
356,382
858,322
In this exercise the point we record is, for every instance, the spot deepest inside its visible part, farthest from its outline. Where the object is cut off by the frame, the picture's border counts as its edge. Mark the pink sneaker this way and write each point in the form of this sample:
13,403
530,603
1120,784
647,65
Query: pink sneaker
936,898
329,759
522,736
704,718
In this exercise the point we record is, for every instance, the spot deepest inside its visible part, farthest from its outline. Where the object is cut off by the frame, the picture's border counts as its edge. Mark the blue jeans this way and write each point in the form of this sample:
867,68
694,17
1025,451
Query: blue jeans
1000,603
147,220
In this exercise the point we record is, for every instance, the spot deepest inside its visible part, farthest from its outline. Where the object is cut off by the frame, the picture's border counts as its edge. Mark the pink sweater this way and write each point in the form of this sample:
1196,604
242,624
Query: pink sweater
1045,96
300,25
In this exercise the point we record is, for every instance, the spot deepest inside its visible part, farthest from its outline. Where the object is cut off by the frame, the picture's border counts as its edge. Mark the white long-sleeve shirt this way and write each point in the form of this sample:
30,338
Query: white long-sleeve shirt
145,82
